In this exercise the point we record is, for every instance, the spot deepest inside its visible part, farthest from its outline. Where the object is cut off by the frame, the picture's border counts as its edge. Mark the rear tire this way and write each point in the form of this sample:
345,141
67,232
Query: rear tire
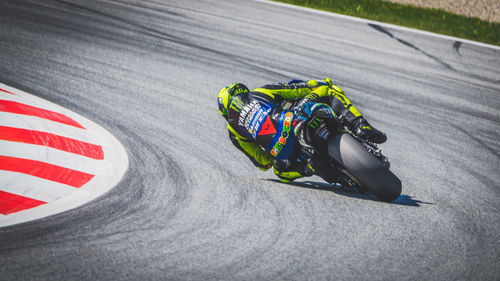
365,167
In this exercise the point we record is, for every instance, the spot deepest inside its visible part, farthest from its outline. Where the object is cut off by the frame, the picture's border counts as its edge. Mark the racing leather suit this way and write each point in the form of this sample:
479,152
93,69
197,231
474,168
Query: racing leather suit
252,117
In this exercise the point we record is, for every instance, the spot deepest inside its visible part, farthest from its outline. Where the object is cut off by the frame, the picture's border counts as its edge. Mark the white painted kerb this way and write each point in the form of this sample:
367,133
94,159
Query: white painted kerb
108,172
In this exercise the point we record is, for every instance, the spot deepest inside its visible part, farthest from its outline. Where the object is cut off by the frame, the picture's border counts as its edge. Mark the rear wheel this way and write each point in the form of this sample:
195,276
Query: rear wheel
364,167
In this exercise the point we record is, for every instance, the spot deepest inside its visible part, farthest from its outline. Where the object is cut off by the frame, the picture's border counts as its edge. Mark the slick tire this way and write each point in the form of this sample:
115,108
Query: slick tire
365,167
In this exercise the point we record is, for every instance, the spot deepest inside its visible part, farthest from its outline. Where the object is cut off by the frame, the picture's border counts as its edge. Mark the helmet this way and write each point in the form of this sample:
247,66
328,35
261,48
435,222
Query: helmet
226,93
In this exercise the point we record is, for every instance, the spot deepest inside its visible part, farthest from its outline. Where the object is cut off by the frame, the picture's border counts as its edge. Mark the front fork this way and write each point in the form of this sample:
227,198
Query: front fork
314,140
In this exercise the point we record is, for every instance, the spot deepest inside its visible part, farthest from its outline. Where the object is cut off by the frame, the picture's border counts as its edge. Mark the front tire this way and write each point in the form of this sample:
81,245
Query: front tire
365,167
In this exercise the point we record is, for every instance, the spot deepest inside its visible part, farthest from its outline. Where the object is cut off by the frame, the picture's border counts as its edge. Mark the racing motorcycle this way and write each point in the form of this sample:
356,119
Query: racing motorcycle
346,158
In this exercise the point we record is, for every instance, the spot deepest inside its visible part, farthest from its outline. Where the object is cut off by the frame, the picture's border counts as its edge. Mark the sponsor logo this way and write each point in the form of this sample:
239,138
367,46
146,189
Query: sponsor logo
285,133
267,127
236,104
247,114
257,121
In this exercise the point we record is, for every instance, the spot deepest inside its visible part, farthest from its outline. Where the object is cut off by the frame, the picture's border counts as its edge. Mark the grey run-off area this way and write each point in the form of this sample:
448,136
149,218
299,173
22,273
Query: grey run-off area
193,207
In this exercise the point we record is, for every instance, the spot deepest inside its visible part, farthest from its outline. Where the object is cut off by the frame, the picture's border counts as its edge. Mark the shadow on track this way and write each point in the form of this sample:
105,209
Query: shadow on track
403,199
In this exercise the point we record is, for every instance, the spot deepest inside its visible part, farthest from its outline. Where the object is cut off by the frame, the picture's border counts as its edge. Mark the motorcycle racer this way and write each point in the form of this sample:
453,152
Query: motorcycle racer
253,117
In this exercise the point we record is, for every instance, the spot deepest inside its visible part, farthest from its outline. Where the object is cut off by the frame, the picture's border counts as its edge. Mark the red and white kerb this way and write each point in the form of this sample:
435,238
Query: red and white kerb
51,159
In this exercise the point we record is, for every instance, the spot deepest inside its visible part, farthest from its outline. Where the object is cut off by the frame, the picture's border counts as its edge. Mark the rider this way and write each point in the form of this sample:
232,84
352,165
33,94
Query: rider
253,117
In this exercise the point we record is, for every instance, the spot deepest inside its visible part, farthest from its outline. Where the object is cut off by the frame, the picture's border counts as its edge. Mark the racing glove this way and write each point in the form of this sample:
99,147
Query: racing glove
316,83
311,83
364,130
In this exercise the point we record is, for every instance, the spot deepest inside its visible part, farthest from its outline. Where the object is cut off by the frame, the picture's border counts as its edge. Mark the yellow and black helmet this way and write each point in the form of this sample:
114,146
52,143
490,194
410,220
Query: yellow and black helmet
226,93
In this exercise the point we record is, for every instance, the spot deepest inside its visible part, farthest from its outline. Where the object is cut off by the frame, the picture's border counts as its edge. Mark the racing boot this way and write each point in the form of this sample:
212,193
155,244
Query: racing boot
364,130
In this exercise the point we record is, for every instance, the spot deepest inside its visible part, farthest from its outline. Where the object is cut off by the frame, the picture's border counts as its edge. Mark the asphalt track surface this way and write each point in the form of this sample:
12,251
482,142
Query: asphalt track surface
193,207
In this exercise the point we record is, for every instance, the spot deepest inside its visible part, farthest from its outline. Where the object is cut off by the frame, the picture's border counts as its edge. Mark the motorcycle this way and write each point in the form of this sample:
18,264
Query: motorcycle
346,158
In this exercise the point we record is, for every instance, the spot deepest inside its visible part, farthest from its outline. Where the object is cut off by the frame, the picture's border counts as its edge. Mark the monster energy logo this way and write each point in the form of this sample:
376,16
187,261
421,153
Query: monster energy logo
236,104
314,124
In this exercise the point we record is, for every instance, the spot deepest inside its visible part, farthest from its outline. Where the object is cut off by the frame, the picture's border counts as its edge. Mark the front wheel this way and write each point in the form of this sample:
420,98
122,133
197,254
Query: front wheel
364,167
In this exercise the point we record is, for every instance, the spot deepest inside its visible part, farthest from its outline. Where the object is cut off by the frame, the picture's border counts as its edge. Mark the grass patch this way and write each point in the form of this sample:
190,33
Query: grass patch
433,20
